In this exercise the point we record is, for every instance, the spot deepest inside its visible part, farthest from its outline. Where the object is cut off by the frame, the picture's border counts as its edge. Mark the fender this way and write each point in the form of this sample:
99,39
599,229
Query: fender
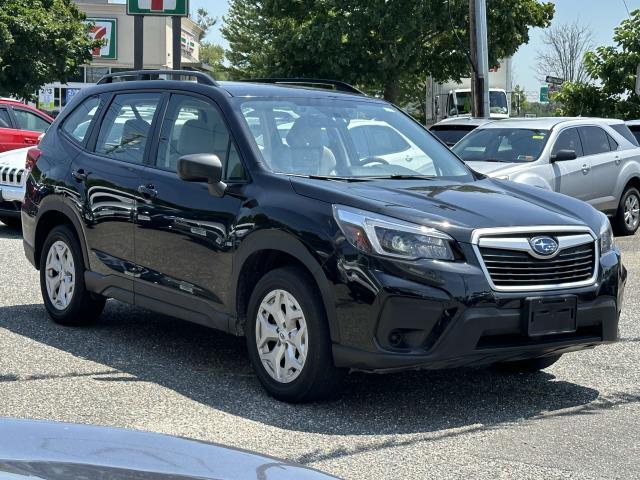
281,241
62,205
630,170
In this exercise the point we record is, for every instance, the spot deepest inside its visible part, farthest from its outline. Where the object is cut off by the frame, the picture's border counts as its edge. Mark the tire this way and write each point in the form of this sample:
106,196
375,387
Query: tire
78,306
530,365
12,222
317,378
627,218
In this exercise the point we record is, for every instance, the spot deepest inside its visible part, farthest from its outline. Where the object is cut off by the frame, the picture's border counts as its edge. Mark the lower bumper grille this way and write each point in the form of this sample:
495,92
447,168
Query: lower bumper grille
11,176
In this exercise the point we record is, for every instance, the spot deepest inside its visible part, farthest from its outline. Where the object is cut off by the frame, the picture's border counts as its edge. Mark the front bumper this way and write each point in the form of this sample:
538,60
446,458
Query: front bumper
11,197
452,318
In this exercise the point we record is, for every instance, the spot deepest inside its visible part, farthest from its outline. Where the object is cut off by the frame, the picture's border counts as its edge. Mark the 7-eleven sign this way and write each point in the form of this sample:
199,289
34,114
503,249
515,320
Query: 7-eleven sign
178,8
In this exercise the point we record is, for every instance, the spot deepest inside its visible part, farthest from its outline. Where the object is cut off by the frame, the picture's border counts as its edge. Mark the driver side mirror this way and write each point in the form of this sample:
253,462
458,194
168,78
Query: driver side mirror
203,167
563,155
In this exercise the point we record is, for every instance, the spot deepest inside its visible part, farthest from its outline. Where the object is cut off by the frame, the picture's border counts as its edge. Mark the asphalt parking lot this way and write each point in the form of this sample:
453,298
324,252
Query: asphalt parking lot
578,419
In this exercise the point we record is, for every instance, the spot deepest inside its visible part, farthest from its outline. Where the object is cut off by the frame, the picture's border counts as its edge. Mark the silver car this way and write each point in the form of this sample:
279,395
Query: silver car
595,160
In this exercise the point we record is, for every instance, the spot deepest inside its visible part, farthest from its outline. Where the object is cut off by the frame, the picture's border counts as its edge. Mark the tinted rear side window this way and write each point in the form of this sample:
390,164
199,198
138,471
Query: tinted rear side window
594,140
623,130
635,129
5,120
78,123
126,126
450,135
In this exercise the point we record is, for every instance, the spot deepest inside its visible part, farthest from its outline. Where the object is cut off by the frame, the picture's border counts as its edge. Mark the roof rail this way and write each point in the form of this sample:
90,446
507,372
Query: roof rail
201,77
309,82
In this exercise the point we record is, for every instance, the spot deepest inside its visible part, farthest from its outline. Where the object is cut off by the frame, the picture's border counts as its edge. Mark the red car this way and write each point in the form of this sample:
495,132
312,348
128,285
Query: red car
20,125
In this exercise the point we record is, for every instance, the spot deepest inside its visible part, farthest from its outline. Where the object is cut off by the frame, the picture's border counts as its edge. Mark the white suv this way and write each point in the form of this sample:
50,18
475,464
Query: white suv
12,185
595,160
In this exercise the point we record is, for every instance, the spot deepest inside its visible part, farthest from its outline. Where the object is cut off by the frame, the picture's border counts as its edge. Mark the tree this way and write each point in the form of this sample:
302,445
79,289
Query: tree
375,44
41,41
614,67
565,46
519,101
213,55
205,21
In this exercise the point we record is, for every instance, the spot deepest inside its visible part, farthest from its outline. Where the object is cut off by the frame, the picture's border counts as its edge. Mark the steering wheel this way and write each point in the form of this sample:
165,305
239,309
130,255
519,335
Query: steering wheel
368,160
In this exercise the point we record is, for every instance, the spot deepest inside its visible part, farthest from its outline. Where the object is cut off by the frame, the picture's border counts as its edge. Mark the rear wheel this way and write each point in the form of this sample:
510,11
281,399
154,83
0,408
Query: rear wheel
530,365
288,338
12,222
65,296
627,218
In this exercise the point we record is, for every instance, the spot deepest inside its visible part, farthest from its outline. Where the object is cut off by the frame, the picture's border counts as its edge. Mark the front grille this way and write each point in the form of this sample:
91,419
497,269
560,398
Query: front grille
511,268
11,176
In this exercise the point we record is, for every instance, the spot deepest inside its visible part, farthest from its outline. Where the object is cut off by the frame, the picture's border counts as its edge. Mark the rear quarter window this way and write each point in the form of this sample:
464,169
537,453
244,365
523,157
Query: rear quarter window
623,130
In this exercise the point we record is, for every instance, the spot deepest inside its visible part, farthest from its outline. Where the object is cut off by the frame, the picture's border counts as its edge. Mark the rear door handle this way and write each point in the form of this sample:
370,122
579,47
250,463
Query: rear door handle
586,168
618,160
148,191
31,141
79,175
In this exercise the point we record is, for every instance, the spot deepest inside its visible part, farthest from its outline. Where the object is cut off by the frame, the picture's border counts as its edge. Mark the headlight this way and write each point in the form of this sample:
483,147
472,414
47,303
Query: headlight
373,233
607,243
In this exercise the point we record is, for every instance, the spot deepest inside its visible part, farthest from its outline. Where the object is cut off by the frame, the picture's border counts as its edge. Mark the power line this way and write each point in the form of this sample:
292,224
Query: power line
626,7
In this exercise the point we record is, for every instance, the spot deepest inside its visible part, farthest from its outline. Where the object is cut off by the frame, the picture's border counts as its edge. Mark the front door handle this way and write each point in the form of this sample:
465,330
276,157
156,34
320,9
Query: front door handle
80,175
148,191
31,141
586,168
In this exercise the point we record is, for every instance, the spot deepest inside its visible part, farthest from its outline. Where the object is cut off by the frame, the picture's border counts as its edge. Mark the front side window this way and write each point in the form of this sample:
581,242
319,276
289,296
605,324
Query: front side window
78,122
344,138
192,126
30,121
124,132
568,140
594,140
518,145
498,102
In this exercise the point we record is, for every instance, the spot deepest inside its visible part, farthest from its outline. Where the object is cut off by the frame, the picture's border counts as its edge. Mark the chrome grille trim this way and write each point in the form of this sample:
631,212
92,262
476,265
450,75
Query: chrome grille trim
578,256
11,176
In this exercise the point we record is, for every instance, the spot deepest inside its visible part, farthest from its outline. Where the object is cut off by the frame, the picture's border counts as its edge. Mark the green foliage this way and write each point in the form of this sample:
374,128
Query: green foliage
41,41
615,68
519,103
213,55
379,45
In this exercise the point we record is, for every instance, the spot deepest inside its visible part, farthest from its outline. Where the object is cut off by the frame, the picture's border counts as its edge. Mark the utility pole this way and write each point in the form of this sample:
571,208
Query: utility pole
479,57
176,28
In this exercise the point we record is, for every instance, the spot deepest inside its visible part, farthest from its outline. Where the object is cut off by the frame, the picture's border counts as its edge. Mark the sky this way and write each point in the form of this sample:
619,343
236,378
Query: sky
601,15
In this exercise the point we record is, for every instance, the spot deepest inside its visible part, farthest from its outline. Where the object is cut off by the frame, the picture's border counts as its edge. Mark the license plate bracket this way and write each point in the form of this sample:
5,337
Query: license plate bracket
551,315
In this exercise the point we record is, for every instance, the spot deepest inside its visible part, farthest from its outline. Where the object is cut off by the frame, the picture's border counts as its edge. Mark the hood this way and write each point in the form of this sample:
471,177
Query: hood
497,169
56,451
457,208
14,158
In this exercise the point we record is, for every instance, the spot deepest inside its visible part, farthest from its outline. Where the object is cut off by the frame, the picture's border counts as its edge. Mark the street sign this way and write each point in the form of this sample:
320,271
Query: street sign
554,80
169,8
105,29
638,80
544,94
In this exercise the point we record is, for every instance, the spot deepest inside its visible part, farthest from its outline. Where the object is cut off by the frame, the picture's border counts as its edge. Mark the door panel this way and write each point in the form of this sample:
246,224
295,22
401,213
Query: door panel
10,139
571,177
183,237
110,178
605,167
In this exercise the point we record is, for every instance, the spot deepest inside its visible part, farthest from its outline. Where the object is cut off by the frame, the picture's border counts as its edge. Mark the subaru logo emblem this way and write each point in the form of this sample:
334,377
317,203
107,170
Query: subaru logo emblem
544,245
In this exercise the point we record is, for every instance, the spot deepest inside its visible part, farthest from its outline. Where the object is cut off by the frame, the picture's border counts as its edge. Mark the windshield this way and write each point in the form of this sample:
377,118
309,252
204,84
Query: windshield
345,138
502,145
498,103
452,134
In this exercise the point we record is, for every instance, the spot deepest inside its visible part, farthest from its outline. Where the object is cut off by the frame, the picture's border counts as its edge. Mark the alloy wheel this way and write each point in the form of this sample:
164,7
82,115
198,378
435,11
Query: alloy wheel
632,212
60,275
281,336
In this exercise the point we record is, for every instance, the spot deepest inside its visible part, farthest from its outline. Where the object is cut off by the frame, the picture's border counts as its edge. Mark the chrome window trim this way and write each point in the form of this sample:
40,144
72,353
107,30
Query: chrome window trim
479,234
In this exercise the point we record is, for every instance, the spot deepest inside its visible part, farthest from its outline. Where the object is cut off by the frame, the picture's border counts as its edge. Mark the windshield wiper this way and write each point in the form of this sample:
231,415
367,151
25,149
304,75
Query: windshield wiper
332,177
403,177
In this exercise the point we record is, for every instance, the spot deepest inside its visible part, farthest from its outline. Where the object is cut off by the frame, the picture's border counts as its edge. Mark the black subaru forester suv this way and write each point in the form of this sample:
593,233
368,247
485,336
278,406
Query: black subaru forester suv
327,227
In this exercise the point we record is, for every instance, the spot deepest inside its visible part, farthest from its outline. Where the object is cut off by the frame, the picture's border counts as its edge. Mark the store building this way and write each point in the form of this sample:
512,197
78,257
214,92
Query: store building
116,27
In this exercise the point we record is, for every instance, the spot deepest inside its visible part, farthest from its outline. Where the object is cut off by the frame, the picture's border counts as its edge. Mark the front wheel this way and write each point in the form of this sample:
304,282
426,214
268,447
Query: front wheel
530,365
65,296
288,338
627,218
